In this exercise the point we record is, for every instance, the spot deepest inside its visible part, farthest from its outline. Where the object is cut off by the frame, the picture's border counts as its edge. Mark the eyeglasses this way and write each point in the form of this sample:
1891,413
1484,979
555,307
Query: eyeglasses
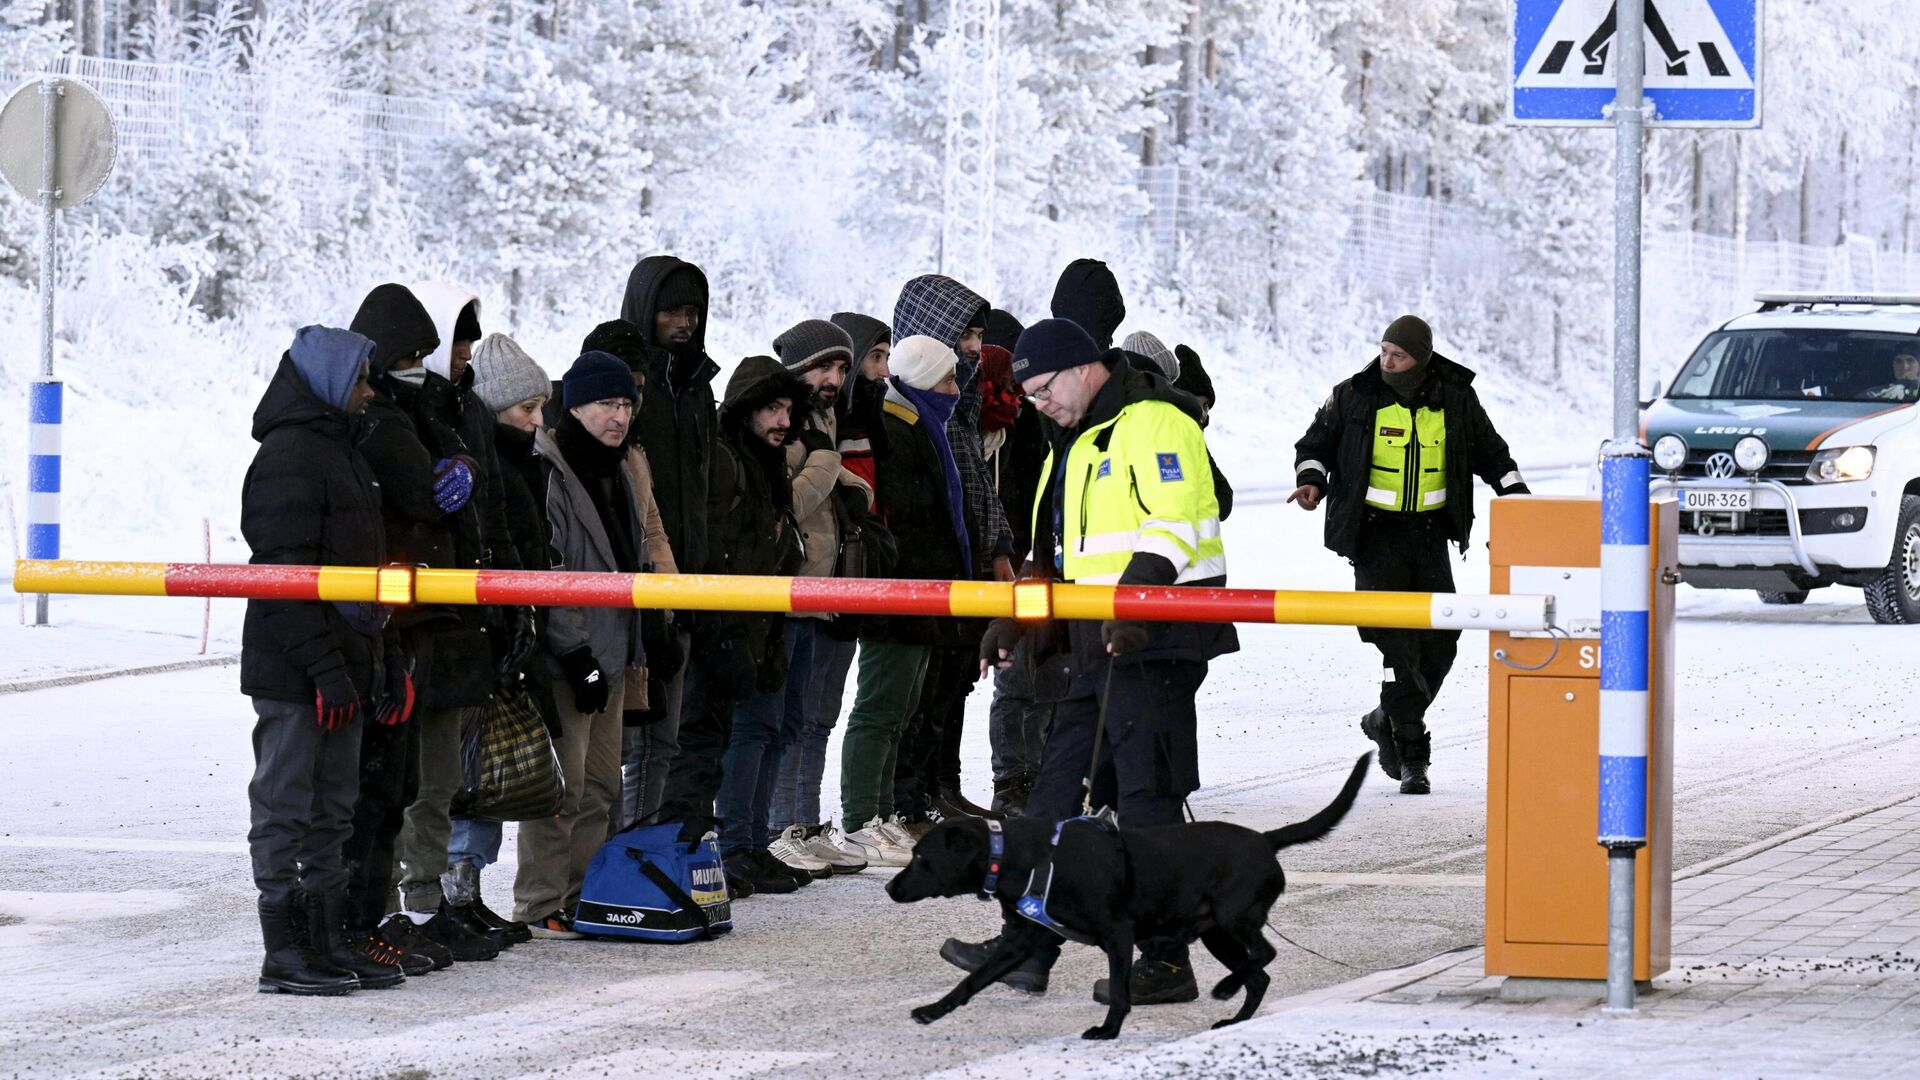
1045,389
616,404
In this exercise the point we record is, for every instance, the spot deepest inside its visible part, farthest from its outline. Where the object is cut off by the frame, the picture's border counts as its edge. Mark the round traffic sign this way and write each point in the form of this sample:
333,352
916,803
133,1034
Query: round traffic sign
85,142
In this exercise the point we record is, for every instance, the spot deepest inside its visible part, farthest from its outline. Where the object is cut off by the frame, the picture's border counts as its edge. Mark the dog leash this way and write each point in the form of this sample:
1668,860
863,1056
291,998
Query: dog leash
1304,949
1100,729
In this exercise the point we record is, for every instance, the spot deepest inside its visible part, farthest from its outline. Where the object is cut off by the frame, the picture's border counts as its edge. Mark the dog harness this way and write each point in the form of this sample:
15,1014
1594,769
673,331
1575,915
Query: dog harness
1033,904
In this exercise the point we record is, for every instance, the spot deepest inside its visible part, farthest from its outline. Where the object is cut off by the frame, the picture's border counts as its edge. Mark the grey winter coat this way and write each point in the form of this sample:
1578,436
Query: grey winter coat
580,543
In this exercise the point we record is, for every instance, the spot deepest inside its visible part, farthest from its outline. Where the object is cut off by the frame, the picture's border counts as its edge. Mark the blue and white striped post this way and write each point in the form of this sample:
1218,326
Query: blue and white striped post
43,478
1625,565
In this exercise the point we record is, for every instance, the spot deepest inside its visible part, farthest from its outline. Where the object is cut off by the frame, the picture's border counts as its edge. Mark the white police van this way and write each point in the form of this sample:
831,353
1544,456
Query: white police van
1790,439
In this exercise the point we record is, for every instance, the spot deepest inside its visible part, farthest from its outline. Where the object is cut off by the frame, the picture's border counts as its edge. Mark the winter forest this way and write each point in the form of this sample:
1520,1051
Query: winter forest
1272,180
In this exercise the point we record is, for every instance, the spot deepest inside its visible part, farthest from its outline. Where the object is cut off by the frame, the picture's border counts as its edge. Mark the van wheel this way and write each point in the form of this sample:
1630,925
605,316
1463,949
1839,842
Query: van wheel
1894,596
1782,597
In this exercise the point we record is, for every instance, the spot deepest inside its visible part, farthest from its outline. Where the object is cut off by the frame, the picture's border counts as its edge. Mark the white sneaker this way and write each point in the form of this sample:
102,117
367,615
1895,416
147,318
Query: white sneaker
823,843
872,845
790,847
896,832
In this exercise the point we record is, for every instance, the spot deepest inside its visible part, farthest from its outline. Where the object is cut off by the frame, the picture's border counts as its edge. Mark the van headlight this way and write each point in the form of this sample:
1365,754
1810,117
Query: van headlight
1841,463
1751,453
1669,452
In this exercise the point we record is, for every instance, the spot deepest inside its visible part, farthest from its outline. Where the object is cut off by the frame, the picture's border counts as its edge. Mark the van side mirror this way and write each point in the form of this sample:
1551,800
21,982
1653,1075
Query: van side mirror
1653,394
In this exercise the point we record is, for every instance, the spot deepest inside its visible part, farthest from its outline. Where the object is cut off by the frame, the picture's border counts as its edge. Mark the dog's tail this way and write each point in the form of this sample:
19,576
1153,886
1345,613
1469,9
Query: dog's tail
1323,822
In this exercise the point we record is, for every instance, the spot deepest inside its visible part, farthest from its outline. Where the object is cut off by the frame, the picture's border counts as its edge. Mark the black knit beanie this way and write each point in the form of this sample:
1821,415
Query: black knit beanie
1411,333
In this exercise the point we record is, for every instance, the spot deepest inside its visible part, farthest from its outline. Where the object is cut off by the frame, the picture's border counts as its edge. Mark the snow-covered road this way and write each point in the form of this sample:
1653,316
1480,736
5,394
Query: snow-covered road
127,941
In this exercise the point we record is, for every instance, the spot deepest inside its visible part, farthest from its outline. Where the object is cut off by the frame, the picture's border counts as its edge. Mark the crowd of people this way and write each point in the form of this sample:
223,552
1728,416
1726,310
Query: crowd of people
949,442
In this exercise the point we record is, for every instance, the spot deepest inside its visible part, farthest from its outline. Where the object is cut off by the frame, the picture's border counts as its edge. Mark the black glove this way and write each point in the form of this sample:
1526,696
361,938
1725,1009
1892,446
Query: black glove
588,682
813,439
522,638
1122,637
335,700
661,644
996,645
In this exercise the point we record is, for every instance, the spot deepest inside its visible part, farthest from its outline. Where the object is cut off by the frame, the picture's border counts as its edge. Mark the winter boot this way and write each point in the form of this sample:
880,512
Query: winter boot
1010,794
327,929
1414,755
460,940
950,804
1028,977
289,968
460,885
1155,982
1377,727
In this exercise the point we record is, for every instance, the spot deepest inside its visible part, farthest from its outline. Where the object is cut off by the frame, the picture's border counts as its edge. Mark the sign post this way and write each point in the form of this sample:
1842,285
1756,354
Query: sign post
57,146
1583,63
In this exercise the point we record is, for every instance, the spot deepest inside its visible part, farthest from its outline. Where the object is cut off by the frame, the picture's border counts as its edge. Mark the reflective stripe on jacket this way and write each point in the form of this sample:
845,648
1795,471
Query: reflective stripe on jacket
1408,471
1141,482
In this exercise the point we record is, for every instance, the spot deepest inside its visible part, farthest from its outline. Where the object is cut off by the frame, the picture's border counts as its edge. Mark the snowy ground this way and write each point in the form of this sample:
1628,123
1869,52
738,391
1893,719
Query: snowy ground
127,943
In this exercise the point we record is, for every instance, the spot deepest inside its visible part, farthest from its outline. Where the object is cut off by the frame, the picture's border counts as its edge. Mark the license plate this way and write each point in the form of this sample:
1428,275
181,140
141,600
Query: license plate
1695,499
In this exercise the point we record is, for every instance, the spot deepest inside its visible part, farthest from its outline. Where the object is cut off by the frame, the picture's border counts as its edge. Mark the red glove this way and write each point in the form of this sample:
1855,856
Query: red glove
399,704
335,701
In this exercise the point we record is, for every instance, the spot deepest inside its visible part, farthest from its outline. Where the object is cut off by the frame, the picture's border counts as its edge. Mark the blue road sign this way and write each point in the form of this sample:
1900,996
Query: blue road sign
1703,62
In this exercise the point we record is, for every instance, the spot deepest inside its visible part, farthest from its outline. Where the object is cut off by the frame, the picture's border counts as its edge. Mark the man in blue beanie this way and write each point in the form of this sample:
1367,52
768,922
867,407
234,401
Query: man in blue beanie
1126,498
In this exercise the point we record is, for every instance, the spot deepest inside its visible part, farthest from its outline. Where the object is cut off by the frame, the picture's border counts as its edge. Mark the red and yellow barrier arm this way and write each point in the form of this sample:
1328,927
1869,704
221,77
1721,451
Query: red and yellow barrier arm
848,596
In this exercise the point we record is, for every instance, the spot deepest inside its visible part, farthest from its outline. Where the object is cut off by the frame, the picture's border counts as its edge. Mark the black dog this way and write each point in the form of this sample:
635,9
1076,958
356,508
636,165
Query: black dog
1209,880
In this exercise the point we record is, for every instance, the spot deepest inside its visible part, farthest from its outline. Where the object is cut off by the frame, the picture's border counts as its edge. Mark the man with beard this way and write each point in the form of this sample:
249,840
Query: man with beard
729,751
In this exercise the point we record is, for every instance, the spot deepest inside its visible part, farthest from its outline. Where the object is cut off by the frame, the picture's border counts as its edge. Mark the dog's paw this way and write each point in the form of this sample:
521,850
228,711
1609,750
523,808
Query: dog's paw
1227,987
927,1014
1102,1032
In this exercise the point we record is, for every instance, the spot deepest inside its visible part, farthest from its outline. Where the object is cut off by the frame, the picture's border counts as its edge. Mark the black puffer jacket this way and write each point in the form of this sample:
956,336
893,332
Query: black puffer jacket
749,508
309,500
676,420
1336,453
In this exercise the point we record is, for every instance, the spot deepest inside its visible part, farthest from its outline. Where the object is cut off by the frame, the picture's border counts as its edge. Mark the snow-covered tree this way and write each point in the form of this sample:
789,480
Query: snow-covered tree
1277,173
544,181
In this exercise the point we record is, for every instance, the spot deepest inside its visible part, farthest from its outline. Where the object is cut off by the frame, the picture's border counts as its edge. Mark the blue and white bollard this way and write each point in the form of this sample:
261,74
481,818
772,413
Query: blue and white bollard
1625,619
43,478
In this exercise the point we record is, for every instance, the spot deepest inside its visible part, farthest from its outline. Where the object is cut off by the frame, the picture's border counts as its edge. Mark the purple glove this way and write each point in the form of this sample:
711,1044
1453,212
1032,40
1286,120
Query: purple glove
452,483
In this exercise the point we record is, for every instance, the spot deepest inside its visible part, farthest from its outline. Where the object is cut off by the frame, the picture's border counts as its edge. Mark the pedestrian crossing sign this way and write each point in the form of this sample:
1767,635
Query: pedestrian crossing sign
1703,62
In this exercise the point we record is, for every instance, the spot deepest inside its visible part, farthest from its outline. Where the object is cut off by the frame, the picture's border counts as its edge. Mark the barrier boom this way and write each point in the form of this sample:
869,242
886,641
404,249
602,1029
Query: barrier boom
811,595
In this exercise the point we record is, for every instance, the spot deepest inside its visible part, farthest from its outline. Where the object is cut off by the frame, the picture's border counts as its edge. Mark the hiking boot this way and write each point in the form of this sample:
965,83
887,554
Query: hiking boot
371,946
951,804
1028,977
1010,794
823,842
1413,778
555,926
399,932
289,966
743,866
872,845
327,935
1154,982
1377,727
464,945
460,888
738,888
790,847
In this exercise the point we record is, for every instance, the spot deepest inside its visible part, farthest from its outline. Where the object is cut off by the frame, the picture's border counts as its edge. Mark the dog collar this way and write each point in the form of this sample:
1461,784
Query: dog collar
996,854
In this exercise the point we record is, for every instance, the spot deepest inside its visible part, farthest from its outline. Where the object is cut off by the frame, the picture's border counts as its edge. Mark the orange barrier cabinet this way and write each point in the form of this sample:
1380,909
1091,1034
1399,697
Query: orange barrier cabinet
1546,873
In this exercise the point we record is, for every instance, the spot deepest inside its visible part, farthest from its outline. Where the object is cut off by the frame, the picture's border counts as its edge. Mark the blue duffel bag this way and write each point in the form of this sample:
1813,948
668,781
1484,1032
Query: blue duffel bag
649,885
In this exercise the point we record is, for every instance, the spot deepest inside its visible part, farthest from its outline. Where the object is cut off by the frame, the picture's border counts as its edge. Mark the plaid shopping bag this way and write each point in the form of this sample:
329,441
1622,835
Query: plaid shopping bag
509,771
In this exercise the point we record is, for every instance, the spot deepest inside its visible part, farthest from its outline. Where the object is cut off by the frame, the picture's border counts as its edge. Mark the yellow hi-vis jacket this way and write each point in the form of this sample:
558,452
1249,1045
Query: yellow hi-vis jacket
1141,482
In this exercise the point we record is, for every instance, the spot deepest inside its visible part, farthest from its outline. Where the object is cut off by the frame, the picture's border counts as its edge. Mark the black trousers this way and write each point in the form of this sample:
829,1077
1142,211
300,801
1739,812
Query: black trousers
929,757
706,727
389,782
1408,553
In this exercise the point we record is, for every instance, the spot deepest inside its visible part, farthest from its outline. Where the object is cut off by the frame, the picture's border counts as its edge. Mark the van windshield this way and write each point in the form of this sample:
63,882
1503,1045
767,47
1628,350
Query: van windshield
1796,364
